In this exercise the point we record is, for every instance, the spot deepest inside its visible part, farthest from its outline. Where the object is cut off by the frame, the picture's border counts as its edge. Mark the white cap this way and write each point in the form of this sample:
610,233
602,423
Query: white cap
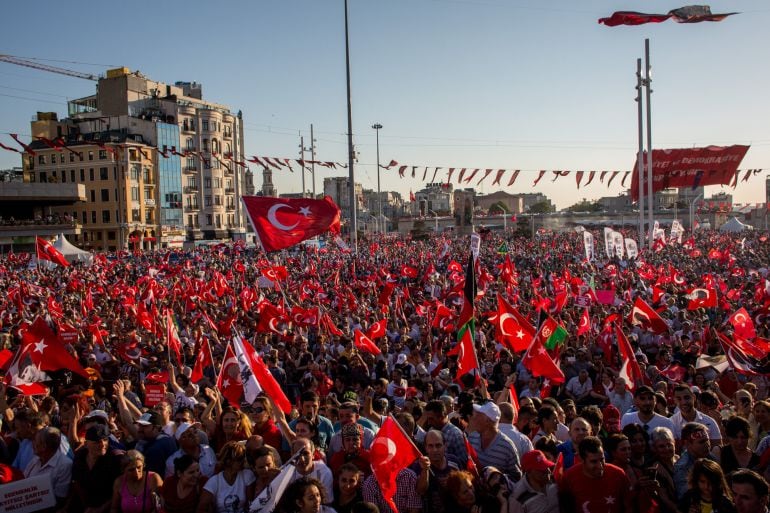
489,409
401,359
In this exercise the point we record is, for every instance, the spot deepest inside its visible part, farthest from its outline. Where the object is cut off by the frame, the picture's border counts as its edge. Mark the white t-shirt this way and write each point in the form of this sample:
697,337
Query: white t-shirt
230,498
324,475
679,422
656,421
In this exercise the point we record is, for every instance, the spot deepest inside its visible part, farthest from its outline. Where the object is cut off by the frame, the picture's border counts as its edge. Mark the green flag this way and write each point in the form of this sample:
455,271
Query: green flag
503,249
552,334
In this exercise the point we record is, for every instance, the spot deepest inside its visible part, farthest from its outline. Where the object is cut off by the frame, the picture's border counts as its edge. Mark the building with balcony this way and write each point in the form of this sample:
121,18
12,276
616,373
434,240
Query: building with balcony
337,188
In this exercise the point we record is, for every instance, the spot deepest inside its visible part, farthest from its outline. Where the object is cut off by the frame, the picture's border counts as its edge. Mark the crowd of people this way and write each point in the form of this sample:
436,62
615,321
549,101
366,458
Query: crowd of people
691,434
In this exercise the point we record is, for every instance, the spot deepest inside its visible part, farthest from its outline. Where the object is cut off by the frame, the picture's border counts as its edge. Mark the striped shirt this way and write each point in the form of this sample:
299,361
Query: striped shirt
501,453
454,441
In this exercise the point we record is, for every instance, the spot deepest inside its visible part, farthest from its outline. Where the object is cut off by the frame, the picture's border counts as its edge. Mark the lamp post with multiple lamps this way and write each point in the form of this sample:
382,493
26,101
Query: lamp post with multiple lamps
377,128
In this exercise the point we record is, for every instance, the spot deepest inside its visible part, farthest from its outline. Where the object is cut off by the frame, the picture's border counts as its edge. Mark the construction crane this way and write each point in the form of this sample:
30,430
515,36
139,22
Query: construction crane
44,67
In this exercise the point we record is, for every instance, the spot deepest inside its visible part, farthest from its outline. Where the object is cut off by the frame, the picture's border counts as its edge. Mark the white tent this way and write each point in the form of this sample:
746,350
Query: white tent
734,226
71,252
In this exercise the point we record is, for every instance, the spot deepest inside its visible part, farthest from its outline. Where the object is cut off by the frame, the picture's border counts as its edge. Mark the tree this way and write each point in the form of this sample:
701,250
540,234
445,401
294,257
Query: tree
499,207
585,206
542,207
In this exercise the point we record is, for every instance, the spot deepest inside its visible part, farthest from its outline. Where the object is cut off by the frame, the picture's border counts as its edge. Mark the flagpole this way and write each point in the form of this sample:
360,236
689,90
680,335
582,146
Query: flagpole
640,154
648,83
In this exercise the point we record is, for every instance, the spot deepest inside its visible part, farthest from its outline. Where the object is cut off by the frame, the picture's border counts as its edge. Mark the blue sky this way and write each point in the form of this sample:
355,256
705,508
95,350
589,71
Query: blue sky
516,84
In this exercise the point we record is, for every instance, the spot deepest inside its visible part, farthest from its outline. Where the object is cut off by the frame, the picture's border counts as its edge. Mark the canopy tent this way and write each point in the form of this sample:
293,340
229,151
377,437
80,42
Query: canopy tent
734,226
71,252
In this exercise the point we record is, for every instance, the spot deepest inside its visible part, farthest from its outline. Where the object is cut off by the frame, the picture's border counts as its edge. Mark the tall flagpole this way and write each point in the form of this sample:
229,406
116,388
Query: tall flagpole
351,173
648,83
640,154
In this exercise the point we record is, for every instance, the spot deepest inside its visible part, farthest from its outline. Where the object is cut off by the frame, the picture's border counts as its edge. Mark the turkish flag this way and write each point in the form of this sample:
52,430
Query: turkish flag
539,363
742,324
330,326
229,379
46,351
46,251
630,367
364,343
269,319
466,355
276,273
632,18
585,323
282,222
701,298
384,297
408,271
172,337
377,329
512,329
645,316
265,382
202,360
391,452
443,318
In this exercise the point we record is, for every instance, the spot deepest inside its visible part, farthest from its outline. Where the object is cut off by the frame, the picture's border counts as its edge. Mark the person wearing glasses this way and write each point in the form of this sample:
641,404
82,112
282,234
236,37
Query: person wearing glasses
261,416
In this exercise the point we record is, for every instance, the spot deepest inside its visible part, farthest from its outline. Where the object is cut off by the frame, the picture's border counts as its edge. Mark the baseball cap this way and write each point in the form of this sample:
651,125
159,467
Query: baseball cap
489,409
97,433
535,460
184,426
97,414
644,389
151,418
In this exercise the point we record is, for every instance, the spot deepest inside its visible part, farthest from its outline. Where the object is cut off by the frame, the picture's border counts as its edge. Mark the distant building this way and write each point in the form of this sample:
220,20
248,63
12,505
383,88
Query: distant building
337,188
619,203
513,202
535,198
434,197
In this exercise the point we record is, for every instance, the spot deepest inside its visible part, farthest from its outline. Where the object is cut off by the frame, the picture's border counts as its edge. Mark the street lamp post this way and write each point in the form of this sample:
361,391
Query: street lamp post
351,154
692,212
377,128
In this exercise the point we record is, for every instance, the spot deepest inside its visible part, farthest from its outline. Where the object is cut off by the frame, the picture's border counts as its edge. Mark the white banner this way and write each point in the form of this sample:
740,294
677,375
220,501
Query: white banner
617,241
475,245
677,230
267,500
609,245
588,244
632,249
27,495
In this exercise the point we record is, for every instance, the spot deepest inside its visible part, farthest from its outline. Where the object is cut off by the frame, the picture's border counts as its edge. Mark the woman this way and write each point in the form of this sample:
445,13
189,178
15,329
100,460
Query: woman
762,418
618,448
135,491
548,423
708,490
231,490
736,453
305,495
603,388
265,468
260,415
231,426
459,483
180,492
661,472
638,440
348,492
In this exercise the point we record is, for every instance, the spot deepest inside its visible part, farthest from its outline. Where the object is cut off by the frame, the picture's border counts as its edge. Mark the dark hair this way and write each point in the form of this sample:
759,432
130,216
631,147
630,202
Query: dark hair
749,477
528,409
365,507
547,445
182,463
713,473
708,398
295,491
308,395
613,442
436,406
590,444
682,387
592,414
736,425
691,428
545,412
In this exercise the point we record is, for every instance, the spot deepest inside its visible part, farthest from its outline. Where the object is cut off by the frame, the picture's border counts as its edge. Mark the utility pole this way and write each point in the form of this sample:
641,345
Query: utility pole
351,155
640,154
302,159
377,128
648,84
312,157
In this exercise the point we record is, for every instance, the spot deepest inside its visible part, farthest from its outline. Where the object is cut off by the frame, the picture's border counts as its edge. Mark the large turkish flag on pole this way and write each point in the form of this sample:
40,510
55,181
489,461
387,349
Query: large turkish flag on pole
282,222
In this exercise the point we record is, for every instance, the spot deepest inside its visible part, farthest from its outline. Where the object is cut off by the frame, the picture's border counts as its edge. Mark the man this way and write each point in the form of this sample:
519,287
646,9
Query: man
154,443
594,486
645,416
309,405
349,416
695,439
435,417
49,460
579,388
307,467
579,429
620,397
94,471
521,441
750,492
685,401
352,451
432,471
492,447
189,443
535,493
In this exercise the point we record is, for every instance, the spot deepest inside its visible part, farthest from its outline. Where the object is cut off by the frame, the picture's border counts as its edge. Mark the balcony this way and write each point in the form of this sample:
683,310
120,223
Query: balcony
230,208
228,171
229,190
193,208
190,169
191,189
187,129
227,135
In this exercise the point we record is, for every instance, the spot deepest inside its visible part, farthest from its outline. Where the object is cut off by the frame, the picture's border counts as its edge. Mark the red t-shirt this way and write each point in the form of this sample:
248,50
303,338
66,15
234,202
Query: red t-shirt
607,494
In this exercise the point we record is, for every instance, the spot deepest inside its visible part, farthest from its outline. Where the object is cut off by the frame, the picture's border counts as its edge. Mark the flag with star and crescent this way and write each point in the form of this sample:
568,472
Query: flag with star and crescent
283,222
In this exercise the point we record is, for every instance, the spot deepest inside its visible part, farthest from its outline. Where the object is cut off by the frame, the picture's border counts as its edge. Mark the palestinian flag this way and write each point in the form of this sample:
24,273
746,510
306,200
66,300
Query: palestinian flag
467,320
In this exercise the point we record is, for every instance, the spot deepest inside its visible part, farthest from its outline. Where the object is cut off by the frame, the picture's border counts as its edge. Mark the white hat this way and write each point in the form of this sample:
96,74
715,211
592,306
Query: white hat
101,414
184,426
401,359
489,409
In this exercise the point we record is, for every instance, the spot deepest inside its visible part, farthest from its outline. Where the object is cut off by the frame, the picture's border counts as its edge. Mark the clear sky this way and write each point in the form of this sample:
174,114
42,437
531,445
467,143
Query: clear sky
515,84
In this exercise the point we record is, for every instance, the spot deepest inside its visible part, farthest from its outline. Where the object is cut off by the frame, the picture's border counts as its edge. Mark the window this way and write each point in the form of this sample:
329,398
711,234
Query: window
103,174
192,182
80,156
228,149
91,174
205,124
43,177
105,216
215,163
207,201
134,193
215,146
90,155
61,158
205,145
189,144
41,159
208,219
63,176
190,163
136,215
135,170
72,175
111,235
146,175
217,183
219,221
93,216
93,197
148,194
207,183
82,175
105,195
132,154
190,220
72,157
85,217
102,154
